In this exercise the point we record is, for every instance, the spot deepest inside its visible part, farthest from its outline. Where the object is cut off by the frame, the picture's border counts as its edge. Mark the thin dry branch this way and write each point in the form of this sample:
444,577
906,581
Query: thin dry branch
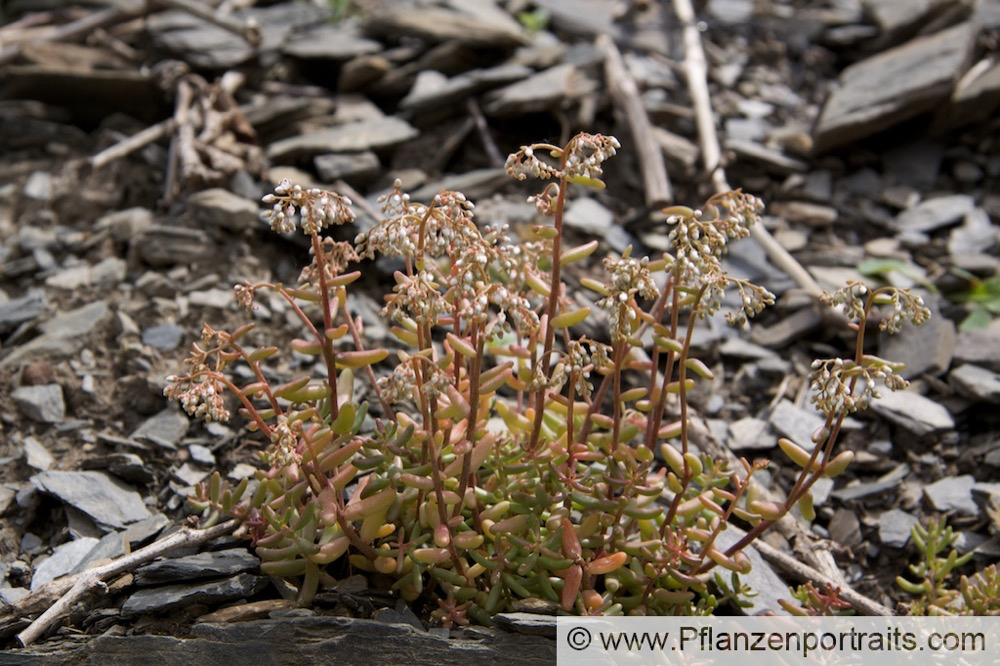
696,72
84,26
249,29
626,94
60,595
802,571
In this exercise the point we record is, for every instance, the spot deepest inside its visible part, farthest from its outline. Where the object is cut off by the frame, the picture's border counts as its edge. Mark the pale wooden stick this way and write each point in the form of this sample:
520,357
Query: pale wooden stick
626,93
496,159
133,143
67,590
84,26
858,601
696,72
249,30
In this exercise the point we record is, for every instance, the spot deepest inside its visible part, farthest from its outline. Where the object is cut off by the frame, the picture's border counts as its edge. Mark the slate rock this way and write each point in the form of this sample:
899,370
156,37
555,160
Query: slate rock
163,429
884,484
219,207
975,235
63,335
765,582
845,528
165,337
976,383
19,310
770,159
953,494
529,624
348,138
924,349
894,527
472,23
894,85
796,423
349,166
900,18
330,41
43,403
545,90
434,90
750,434
476,184
976,97
124,225
211,564
201,454
913,412
979,347
121,542
107,501
588,215
36,455
932,214
63,560
168,597
219,299
162,245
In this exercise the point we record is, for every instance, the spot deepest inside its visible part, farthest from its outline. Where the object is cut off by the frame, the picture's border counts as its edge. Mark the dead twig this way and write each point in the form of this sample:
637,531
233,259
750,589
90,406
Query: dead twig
696,72
60,595
249,29
626,94
133,143
82,27
496,159
802,571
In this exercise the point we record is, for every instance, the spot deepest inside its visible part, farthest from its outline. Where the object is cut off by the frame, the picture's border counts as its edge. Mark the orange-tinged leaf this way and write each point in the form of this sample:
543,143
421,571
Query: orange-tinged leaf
359,359
606,564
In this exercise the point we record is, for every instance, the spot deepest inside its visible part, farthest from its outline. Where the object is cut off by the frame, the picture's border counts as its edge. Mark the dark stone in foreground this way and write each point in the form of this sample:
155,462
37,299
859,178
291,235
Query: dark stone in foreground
159,599
200,565
300,640
893,86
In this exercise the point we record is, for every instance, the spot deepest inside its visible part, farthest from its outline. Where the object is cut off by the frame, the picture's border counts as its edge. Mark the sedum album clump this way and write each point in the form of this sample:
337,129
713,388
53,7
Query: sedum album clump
510,457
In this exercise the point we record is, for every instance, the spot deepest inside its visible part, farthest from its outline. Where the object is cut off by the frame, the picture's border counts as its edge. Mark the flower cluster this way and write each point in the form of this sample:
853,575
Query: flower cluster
200,394
835,383
586,152
627,277
754,299
316,209
702,237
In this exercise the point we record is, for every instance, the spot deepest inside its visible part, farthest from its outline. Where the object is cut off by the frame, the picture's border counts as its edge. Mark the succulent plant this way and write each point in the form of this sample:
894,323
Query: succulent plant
510,458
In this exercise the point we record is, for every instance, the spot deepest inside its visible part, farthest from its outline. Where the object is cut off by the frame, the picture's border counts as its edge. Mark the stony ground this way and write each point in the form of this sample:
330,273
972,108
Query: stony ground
868,126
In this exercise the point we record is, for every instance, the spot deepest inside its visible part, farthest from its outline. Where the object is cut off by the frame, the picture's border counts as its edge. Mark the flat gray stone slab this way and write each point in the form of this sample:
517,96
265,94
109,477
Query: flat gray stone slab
163,429
330,41
200,565
107,501
935,213
351,137
894,85
894,527
976,383
63,560
981,347
168,597
43,403
19,310
925,349
953,494
474,23
913,412
63,335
